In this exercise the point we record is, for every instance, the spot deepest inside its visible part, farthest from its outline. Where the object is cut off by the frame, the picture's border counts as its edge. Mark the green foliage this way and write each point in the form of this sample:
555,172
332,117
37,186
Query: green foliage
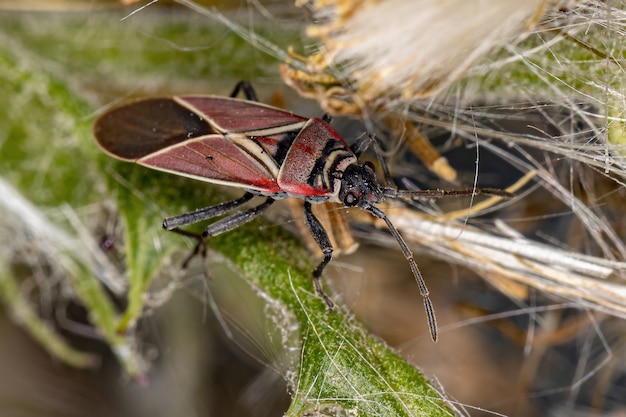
54,72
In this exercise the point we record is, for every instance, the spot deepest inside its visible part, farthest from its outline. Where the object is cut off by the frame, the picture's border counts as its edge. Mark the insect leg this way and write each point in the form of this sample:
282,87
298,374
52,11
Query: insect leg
321,237
430,313
235,220
248,90
223,225
172,223
199,248
362,143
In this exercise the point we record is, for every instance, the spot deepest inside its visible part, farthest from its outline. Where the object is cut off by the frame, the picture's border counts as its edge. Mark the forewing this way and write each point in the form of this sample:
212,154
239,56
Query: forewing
161,133
143,127
214,159
242,116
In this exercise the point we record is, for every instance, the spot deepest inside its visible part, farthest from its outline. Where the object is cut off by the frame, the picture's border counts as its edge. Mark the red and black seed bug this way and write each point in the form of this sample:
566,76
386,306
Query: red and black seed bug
266,151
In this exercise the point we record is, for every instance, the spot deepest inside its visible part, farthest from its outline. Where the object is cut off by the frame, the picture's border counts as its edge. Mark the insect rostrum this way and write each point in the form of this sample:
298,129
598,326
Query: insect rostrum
263,150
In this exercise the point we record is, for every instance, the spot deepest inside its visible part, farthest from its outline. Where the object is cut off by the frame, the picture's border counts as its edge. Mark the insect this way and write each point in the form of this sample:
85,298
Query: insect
264,150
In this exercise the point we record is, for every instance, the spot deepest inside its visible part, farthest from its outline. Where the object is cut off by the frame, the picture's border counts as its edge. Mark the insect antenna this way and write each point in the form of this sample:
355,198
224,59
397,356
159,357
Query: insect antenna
390,192
428,306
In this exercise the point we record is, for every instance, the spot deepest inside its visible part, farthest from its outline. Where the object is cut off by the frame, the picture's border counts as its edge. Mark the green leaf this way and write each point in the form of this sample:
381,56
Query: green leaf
343,370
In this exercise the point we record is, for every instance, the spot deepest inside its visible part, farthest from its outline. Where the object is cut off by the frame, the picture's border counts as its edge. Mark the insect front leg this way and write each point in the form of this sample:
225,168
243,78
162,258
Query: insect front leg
362,143
321,237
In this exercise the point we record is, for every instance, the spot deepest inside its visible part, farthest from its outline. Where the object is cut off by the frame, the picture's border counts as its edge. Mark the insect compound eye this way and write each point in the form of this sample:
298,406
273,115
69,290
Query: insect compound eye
351,199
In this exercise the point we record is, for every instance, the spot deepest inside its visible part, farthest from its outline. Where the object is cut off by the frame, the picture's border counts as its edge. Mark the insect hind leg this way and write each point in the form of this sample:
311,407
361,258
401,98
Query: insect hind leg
248,91
206,213
235,220
173,224
321,237
200,248
221,226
